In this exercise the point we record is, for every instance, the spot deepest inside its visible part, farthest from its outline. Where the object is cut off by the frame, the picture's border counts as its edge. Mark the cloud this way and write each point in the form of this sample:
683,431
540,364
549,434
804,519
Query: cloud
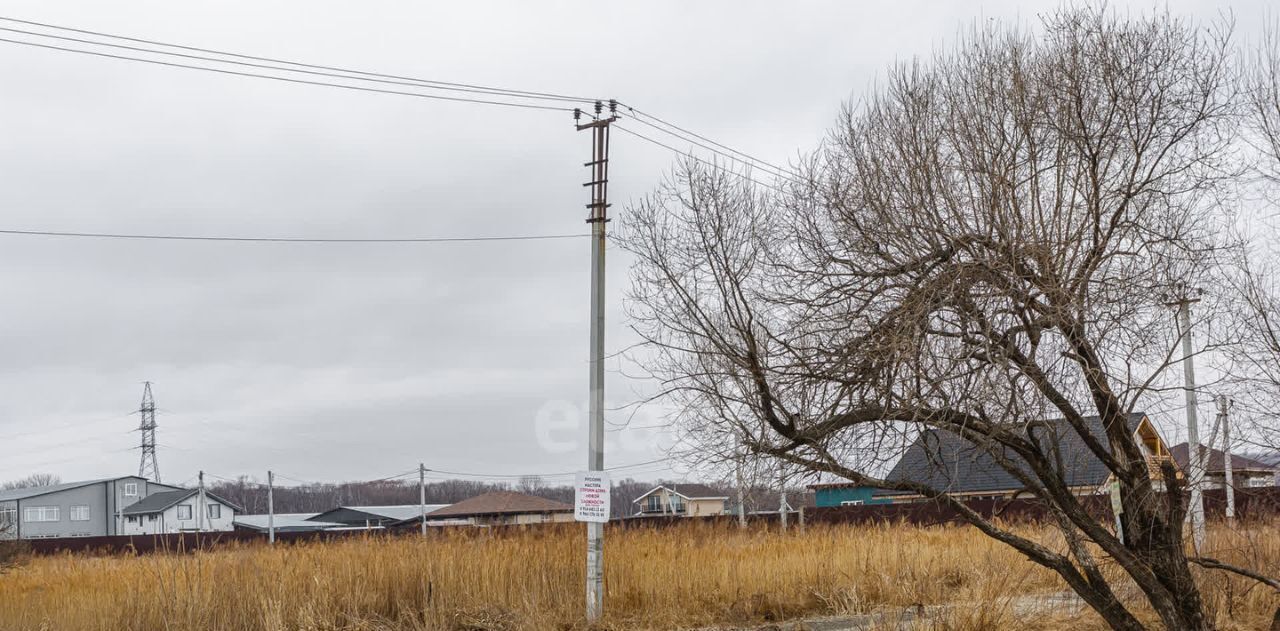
355,361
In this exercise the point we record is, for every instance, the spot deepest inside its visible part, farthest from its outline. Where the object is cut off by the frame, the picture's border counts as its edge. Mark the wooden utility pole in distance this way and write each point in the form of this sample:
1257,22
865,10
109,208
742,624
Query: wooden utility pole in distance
598,217
422,496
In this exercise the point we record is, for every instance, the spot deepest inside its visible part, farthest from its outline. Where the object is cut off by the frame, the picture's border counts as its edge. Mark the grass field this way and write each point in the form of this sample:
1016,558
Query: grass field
680,577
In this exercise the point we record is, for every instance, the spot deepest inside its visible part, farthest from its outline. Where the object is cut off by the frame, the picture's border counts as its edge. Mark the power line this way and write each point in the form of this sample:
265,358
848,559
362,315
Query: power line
417,83
336,72
289,79
641,116
425,82
310,482
746,159
171,237
541,475
692,157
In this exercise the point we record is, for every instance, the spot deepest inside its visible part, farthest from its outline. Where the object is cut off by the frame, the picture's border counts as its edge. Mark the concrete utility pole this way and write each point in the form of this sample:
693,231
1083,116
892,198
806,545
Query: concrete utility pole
422,496
147,467
742,498
738,456
200,504
1194,460
1224,409
782,506
598,217
271,508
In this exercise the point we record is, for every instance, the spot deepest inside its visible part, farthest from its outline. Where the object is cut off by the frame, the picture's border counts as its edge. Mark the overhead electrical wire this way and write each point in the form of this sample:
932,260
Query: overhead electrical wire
748,162
256,62
314,482
541,475
641,115
693,157
445,85
336,75
174,237
289,79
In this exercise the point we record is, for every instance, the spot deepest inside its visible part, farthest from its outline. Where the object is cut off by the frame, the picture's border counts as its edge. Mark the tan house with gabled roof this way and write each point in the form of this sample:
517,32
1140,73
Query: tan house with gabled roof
684,500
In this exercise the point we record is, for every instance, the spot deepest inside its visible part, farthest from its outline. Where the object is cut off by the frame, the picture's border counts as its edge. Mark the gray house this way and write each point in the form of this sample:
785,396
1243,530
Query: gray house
373,516
73,509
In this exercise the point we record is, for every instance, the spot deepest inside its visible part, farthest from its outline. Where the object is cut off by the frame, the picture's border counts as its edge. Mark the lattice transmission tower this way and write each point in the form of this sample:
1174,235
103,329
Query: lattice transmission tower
148,468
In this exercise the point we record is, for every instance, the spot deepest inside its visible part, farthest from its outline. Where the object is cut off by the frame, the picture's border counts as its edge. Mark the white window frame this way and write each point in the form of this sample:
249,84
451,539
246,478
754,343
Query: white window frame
214,510
130,489
852,502
40,514
188,511
8,517
79,512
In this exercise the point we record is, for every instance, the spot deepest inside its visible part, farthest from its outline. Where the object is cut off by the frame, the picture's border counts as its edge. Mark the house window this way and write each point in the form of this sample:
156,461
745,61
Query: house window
184,512
653,503
677,504
151,517
130,489
851,503
8,516
80,513
133,519
40,513
215,511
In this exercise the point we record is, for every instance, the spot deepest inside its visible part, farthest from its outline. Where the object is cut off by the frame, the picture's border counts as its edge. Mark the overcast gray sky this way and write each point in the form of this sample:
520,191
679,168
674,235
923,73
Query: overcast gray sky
334,362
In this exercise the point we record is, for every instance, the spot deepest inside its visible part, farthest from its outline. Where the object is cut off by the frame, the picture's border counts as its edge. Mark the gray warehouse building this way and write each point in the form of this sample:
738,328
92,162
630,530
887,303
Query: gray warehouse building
74,509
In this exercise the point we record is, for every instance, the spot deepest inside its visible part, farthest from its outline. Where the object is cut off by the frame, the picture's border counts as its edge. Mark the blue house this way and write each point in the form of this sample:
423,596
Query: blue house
847,494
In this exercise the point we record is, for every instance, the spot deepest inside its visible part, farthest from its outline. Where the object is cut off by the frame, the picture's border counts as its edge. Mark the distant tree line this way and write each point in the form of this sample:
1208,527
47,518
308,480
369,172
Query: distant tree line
251,495
318,497
33,480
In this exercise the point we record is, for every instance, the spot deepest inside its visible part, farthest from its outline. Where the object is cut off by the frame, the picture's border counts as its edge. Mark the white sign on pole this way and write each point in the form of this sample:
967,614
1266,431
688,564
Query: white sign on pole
591,497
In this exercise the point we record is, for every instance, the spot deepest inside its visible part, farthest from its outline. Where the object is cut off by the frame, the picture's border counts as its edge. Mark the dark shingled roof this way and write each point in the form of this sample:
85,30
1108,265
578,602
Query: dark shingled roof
501,503
946,462
1217,460
158,502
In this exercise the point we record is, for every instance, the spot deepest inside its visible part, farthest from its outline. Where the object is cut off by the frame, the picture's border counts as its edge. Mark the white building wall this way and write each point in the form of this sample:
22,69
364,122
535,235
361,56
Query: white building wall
168,522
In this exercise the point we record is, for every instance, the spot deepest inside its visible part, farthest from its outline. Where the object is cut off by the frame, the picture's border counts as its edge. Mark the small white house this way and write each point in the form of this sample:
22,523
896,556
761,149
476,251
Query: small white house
185,510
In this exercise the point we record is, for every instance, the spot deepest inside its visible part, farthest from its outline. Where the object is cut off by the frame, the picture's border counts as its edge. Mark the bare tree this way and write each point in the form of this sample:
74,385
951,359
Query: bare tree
989,240
1262,95
1257,359
530,484
33,480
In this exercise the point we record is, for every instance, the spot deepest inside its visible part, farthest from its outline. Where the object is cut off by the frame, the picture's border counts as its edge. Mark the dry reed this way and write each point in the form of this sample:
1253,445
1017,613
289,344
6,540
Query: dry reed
680,577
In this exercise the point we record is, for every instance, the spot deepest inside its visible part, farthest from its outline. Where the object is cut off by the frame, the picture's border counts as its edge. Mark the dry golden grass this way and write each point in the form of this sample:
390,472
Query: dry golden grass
689,576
